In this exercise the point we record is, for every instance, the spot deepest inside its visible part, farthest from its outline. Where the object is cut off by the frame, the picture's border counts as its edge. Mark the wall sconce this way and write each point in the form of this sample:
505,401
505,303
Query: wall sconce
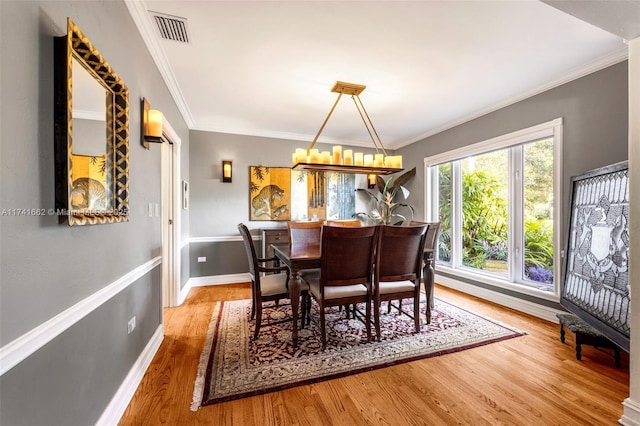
151,125
371,181
227,171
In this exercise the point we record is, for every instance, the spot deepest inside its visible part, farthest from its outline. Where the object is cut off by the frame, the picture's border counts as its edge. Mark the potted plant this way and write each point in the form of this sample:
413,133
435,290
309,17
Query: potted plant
383,207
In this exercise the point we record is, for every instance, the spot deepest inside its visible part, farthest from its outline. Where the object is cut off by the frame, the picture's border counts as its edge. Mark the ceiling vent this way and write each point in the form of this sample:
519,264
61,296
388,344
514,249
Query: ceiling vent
171,27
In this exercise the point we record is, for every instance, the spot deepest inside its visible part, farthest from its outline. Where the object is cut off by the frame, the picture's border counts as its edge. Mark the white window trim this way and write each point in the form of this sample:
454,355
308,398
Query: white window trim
551,128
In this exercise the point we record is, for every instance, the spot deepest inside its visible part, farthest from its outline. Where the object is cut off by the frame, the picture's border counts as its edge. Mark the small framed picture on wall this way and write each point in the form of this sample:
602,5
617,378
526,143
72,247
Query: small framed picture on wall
185,194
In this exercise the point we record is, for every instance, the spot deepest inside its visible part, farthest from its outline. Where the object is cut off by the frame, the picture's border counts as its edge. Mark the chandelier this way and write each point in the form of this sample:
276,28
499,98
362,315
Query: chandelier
311,159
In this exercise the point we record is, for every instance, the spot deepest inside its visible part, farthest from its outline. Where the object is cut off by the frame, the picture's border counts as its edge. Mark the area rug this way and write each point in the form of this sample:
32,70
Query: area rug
234,366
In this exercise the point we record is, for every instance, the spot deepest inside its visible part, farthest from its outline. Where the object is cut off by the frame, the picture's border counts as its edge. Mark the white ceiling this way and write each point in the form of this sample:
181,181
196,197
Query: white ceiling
266,68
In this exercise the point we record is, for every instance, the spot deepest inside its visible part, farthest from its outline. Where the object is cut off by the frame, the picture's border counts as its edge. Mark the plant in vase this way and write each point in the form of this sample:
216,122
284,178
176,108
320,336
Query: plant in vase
383,207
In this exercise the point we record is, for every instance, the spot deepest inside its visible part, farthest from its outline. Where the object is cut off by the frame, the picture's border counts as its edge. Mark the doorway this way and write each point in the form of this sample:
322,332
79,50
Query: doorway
171,216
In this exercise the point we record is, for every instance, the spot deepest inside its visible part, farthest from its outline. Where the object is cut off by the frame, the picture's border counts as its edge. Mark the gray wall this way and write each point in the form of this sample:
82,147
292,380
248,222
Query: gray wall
217,208
594,109
47,268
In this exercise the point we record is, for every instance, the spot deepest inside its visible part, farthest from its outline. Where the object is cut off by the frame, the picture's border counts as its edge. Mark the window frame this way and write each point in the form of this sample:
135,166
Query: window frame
550,129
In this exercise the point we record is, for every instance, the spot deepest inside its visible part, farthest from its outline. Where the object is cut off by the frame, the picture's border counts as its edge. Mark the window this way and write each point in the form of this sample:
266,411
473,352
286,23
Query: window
496,201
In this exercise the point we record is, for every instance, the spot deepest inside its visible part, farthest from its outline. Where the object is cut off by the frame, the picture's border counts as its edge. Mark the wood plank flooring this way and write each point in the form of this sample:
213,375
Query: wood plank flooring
529,380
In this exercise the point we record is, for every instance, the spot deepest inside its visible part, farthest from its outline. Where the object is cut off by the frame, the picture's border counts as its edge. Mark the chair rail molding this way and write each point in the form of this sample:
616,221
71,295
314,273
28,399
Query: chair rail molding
16,351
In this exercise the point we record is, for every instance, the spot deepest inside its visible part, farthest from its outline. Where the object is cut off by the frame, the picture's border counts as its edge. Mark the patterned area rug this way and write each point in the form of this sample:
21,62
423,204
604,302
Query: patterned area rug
234,366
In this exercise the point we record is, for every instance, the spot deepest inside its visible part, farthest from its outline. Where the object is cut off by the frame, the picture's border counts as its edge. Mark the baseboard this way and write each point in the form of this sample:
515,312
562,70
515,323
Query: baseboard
218,279
631,415
120,401
521,305
184,292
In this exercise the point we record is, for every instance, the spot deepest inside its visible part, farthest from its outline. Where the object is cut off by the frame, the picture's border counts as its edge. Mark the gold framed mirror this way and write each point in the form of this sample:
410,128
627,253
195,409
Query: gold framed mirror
91,134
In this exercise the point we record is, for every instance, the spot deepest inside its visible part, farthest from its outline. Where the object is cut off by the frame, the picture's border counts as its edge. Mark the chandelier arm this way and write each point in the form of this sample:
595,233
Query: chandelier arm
371,122
324,123
365,122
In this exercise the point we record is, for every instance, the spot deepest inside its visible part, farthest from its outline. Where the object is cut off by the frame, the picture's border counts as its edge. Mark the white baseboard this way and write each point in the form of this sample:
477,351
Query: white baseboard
184,292
525,306
631,415
120,401
218,279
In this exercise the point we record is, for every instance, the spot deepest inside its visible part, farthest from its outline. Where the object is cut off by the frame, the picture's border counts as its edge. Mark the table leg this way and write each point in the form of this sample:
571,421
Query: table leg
294,295
428,278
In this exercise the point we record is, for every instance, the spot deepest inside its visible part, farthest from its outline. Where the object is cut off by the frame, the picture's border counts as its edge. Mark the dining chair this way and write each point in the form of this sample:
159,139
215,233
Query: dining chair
429,265
347,223
268,283
346,266
398,268
305,232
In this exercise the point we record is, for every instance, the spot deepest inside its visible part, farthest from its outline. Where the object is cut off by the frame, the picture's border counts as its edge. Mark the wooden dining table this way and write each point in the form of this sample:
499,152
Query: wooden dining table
298,257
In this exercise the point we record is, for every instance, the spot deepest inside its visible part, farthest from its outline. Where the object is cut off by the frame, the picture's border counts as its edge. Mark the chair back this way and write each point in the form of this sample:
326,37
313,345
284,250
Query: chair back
347,255
400,252
431,238
305,232
252,257
347,223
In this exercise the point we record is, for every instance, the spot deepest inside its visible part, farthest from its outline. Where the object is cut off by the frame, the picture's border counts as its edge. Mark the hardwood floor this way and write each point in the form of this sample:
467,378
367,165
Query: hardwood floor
529,380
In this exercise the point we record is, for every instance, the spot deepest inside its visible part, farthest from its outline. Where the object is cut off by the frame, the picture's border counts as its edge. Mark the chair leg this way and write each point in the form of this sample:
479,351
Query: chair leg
258,318
253,301
376,317
323,329
368,320
429,304
416,309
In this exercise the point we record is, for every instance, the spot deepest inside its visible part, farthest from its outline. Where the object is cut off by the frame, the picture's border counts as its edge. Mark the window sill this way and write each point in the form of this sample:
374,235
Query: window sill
552,296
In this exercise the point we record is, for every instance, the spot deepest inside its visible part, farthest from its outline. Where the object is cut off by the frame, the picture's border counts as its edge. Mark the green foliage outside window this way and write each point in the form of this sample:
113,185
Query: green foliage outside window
485,211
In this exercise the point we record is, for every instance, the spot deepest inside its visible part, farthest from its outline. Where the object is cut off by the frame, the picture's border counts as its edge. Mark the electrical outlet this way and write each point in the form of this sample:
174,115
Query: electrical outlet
150,209
202,259
131,325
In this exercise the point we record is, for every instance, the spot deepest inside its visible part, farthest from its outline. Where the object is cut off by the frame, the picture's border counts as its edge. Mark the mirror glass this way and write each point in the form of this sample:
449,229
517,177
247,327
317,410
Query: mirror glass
89,191
92,134
322,196
89,112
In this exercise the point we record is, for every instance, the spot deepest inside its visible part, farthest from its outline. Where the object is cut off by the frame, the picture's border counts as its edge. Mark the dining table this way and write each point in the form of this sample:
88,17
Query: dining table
297,257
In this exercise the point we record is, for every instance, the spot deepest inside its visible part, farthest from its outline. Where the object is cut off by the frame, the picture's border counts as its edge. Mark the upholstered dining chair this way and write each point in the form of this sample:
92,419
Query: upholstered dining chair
268,283
429,265
398,268
347,223
346,266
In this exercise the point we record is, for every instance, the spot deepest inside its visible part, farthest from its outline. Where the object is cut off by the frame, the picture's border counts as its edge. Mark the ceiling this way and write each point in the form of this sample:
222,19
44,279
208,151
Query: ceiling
266,68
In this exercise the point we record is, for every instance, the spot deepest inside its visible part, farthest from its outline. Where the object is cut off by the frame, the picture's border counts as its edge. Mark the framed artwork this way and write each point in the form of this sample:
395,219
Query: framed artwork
596,282
185,195
269,193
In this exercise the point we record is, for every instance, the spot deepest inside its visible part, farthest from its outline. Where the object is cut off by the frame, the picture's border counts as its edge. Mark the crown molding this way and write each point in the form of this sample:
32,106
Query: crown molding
138,12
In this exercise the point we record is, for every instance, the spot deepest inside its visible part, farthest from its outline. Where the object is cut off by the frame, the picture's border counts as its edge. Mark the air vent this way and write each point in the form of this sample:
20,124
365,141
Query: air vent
171,27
